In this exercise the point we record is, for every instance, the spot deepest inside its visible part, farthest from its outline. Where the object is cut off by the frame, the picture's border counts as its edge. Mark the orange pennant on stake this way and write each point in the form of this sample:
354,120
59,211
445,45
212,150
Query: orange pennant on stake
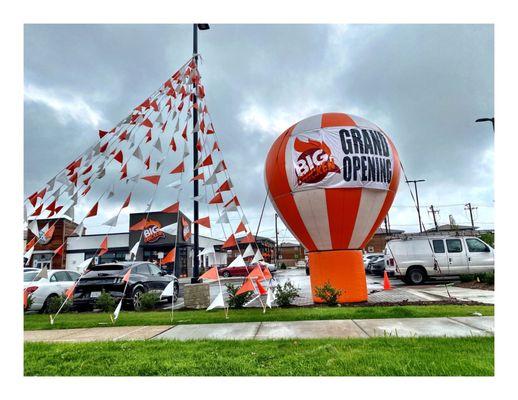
248,238
207,161
104,246
260,287
225,186
215,147
230,242
169,257
31,243
267,274
217,199
93,211
173,144
198,145
180,168
124,171
126,276
211,274
148,160
102,133
70,291
154,105
173,208
154,179
37,211
184,132
256,273
205,221
33,198
248,286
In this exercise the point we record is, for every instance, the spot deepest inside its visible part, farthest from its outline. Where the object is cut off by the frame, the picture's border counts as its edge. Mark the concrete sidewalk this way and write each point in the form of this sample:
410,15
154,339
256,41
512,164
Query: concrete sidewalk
359,328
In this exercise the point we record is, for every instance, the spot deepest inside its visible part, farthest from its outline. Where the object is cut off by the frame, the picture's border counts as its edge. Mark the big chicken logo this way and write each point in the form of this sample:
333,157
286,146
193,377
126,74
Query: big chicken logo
314,162
152,231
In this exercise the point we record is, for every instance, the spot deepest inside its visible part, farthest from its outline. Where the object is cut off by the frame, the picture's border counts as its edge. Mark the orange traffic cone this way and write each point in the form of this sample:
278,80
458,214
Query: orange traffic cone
386,281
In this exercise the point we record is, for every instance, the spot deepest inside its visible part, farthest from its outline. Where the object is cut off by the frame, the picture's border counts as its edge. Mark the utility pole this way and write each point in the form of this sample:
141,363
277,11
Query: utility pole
434,211
492,120
387,224
470,208
415,182
196,247
276,240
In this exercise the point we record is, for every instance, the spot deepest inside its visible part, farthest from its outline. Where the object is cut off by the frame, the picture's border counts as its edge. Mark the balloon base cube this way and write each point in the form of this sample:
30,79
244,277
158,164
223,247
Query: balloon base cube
343,269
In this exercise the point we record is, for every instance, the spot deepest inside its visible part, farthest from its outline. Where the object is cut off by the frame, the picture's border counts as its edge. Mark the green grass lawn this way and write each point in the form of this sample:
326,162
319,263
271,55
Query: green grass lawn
310,357
126,318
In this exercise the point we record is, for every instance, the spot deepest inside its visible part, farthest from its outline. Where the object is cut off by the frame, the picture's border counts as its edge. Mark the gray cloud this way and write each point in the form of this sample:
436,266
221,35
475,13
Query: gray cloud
423,84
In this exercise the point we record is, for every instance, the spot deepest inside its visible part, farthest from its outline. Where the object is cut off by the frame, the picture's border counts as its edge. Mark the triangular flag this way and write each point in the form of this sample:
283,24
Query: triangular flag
270,298
59,250
169,290
104,246
138,154
225,186
112,221
28,255
127,201
211,274
85,264
147,162
154,179
43,274
249,238
205,221
180,168
134,249
220,167
257,257
248,286
238,262
230,242
170,257
173,208
198,177
148,136
207,250
93,211
217,199
50,232
119,156
79,230
139,225
241,228
218,302
249,252
126,276
267,274
185,150
223,218
211,180
171,229
158,145
33,227
117,311
260,288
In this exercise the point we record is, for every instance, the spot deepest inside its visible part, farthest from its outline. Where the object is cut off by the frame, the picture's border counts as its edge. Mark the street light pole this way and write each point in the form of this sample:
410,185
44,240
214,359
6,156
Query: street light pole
492,120
415,182
196,245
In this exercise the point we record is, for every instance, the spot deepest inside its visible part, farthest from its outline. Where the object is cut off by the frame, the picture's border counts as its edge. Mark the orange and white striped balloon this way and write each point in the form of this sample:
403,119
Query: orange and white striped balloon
332,179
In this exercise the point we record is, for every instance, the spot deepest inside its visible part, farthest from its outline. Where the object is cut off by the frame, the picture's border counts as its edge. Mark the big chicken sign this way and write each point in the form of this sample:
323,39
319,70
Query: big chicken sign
332,179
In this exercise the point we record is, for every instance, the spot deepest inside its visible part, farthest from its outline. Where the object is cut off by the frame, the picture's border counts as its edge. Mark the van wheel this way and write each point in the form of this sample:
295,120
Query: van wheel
415,276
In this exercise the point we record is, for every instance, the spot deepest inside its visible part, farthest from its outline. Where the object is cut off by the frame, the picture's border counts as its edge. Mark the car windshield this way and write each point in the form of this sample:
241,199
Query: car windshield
107,267
29,276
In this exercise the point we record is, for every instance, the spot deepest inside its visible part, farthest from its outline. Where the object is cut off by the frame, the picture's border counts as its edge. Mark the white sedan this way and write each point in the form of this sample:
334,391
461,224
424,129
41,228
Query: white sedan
41,290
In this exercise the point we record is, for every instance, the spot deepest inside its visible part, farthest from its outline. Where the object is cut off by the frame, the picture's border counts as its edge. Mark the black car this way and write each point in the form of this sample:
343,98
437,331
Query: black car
144,277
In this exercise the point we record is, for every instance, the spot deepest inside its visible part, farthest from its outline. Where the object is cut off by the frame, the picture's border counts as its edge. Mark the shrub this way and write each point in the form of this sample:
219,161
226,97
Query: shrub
487,277
237,301
105,302
467,278
29,303
489,238
148,301
328,294
285,294
54,303
283,266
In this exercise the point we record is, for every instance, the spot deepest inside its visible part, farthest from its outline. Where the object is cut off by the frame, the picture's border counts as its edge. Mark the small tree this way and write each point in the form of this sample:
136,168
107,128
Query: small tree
489,238
328,294
237,300
54,303
105,302
285,294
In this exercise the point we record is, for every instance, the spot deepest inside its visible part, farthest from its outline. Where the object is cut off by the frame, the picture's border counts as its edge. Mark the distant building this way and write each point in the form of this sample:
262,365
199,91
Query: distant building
380,238
290,253
266,246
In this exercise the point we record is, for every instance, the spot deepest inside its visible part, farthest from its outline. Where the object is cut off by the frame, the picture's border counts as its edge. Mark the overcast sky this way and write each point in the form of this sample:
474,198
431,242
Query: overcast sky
423,84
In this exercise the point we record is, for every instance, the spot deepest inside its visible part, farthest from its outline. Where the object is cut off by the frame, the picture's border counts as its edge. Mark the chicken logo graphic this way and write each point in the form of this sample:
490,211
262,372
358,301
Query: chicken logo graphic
314,162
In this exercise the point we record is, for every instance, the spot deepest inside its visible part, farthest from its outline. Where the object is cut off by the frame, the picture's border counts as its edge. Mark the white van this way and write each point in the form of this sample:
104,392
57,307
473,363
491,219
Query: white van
412,259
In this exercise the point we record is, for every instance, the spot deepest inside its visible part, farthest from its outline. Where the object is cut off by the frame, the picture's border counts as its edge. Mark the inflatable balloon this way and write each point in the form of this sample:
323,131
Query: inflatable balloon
332,179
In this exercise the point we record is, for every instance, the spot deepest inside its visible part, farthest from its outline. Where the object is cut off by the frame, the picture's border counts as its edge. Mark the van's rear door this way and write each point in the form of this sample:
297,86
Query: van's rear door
439,250
457,257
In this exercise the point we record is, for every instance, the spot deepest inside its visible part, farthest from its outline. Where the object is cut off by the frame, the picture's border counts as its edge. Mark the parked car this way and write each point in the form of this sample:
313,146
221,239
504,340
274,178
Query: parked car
368,257
412,259
377,267
145,277
270,266
239,271
41,290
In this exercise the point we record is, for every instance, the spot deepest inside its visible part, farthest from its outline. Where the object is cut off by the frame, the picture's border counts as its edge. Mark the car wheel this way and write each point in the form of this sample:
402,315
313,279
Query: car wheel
136,299
415,276
226,274
45,306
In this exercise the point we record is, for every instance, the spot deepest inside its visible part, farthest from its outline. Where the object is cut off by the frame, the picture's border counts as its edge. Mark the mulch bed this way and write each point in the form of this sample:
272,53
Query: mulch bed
476,285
